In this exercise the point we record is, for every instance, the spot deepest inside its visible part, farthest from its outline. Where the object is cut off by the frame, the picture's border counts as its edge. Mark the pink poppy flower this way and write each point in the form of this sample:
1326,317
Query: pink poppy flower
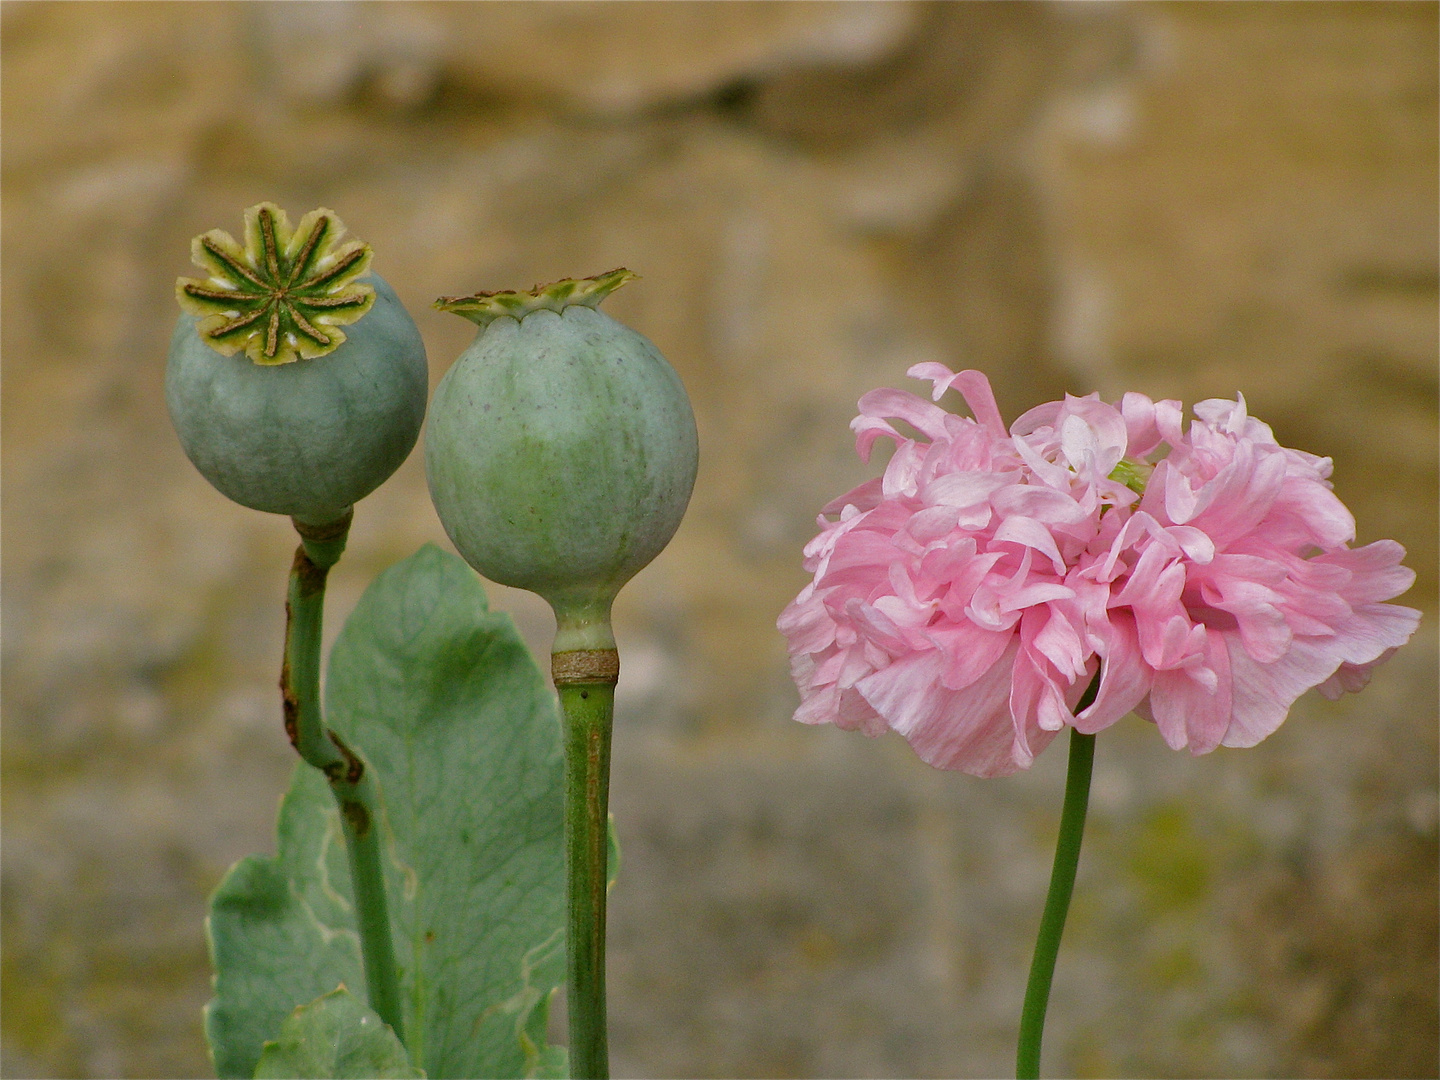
1232,586
968,596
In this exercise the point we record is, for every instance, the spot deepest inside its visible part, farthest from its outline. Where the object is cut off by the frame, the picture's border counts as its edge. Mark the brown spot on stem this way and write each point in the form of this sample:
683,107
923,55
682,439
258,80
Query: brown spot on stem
358,817
289,703
309,578
351,769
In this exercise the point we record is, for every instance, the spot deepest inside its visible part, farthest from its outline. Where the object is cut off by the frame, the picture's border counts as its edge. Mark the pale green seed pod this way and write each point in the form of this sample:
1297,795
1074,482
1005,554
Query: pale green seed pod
561,450
279,408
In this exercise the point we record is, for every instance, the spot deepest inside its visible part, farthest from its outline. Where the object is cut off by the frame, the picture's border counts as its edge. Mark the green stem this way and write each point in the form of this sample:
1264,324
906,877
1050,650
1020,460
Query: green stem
1057,901
588,708
351,782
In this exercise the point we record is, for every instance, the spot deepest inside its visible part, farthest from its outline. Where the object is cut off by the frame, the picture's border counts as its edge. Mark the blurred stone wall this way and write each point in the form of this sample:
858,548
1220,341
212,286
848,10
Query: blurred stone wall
1186,200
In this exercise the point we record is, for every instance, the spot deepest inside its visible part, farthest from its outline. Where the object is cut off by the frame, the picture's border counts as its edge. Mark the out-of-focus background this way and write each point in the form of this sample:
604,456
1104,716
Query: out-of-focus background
1182,199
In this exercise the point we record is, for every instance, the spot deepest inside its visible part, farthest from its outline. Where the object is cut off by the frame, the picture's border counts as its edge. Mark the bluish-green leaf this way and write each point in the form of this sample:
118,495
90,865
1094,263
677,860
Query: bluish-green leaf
335,1037
282,931
462,732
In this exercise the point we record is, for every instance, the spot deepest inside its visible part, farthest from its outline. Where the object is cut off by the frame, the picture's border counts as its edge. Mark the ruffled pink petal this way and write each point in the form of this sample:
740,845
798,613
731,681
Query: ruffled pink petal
974,387
1192,706
902,472
868,430
969,730
967,596
1372,630
969,651
1351,678
1141,434
1124,677
964,489
1031,534
807,624
1240,495
1263,693
1307,511
1043,504
1376,573
1093,436
920,414
865,497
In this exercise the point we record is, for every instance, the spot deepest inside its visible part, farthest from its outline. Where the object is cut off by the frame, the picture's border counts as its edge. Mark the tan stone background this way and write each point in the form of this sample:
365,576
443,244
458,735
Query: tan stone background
1187,200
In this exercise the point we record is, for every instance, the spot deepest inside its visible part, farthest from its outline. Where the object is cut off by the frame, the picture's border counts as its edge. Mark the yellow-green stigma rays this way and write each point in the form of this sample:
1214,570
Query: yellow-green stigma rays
284,294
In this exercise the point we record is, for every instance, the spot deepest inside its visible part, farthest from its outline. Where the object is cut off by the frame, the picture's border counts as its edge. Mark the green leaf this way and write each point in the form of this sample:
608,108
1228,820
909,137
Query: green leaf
463,734
337,1037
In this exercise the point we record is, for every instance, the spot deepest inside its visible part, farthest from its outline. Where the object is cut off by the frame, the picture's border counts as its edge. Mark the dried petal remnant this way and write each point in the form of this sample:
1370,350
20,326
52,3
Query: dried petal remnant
283,295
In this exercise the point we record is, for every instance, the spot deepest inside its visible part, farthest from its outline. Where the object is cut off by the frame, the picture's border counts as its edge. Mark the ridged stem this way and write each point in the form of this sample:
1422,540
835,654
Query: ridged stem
351,782
585,667
1057,900
588,709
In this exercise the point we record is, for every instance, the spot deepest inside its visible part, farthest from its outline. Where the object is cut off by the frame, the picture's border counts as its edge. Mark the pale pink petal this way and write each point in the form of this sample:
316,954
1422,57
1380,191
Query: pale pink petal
1092,435
1189,712
865,497
807,624
969,730
1263,693
1141,434
902,405
1041,503
969,651
868,430
936,521
1124,680
1373,630
1307,511
1041,416
1031,534
1060,643
963,489
1240,495
902,473
1352,678
1376,572
974,387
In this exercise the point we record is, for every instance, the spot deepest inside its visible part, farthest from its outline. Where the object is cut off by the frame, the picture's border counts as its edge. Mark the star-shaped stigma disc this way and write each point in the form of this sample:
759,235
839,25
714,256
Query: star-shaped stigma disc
284,295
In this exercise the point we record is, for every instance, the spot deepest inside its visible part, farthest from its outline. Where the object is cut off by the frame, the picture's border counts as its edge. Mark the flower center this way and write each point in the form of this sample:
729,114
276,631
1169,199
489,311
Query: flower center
1132,474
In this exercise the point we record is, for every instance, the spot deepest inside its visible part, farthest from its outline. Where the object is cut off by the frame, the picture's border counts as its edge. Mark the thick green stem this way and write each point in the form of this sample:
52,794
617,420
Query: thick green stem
351,782
588,708
359,803
1057,901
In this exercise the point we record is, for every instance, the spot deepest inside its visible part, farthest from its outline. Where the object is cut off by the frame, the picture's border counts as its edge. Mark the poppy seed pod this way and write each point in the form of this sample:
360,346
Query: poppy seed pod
279,408
561,449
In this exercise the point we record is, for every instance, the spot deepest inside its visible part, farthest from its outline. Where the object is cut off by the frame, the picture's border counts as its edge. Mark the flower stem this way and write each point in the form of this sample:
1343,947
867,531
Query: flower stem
588,708
351,782
1057,901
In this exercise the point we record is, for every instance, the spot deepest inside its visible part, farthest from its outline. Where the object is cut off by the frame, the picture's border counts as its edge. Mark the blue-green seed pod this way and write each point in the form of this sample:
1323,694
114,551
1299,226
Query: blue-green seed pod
561,449
279,408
